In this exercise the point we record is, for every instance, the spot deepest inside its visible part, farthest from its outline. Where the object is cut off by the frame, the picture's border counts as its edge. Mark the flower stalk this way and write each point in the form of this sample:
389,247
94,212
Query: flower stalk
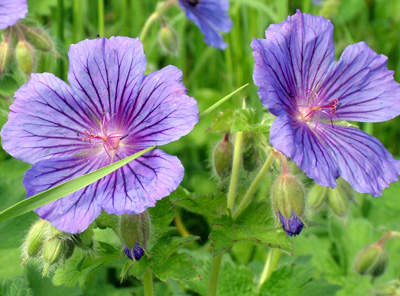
148,283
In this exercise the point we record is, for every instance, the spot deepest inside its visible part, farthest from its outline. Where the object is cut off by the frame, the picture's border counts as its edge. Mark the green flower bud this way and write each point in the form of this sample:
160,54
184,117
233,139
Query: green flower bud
316,196
25,55
168,39
223,157
35,238
56,250
391,288
6,54
338,202
134,229
251,153
39,38
372,260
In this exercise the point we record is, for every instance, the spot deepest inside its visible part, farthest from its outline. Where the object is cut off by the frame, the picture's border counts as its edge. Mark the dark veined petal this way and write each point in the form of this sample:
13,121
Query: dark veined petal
11,11
75,212
44,120
292,60
211,16
303,145
107,73
362,160
363,85
138,185
162,112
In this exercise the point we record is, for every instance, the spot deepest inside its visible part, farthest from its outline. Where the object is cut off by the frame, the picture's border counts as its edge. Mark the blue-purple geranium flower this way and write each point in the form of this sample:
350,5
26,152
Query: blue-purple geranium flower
300,82
110,111
11,11
211,16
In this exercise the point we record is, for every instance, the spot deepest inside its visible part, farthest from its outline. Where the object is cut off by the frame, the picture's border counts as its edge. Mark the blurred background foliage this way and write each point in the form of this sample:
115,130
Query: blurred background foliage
326,251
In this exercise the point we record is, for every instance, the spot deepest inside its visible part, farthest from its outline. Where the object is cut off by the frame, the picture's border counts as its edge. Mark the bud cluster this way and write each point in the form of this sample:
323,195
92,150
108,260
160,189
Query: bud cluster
22,43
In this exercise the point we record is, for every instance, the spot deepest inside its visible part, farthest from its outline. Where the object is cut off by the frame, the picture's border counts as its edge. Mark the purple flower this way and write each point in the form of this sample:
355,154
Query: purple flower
11,11
293,226
300,82
110,111
211,16
137,252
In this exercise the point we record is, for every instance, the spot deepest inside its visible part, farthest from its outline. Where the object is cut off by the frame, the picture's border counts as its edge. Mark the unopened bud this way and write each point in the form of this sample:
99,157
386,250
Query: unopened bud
222,157
168,39
134,232
391,288
6,54
338,202
39,38
289,203
137,252
56,250
251,153
25,55
372,260
35,238
316,196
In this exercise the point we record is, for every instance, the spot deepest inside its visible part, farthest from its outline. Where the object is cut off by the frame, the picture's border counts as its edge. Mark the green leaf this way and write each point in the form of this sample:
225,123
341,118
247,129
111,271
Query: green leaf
161,217
15,287
8,85
297,279
255,224
166,262
208,205
223,122
65,188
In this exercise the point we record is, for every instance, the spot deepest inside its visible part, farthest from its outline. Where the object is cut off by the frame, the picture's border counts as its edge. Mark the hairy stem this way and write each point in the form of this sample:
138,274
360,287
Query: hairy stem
180,226
270,264
101,17
237,153
148,283
215,267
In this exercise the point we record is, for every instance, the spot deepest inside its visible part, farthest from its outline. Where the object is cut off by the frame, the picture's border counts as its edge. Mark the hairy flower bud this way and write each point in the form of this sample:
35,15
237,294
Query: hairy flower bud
338,202
6,54
25,55
251,153
168,39
289,203
222,157
35,238
56,250
39,38
134,232
316,196
372,260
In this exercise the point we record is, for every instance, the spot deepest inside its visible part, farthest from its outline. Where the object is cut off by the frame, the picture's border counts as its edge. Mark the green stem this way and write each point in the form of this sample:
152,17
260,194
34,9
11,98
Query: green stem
243,204
215,267
101,17
61,35
77,21
148,283
237,153
153,17
271,263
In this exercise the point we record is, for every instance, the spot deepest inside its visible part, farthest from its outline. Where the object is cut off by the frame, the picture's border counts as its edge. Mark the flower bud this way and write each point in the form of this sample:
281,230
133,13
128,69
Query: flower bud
222,157
251,153
56,250
35,238
372,260
6,54
338,202
168,39
39,38
25,55
289,203
391,288
316,196
134,232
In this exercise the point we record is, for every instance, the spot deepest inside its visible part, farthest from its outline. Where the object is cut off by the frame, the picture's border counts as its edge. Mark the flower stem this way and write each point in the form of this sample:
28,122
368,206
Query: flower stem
101,17
60,34
271,263
153,17
243,204
215,267
180,226
237,153
148,283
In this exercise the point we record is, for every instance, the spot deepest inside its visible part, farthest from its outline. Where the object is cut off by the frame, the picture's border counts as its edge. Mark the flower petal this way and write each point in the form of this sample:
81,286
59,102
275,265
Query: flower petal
75,212
292,60
298,141
11,11
363,85
138,185
162,112
107,73
362,160
44,120
211,17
